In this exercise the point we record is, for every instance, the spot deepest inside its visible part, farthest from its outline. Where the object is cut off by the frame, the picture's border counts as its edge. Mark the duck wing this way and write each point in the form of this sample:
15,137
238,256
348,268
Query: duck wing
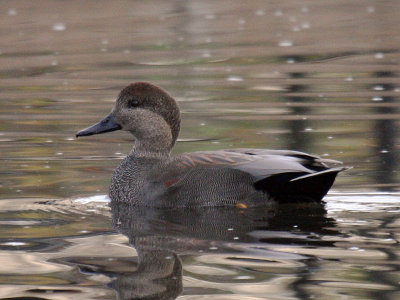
311,161
259,163
283,174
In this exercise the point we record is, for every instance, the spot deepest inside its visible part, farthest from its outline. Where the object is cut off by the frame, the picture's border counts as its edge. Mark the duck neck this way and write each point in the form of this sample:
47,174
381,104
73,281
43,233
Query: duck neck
153,134
154,144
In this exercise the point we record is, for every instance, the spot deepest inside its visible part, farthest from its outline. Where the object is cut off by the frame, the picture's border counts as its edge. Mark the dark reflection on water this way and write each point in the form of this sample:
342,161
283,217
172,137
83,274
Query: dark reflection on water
161,236
386,134
298,138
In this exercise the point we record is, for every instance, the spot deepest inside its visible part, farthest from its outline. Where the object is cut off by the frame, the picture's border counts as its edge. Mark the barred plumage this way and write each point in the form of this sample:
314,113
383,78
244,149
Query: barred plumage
149,176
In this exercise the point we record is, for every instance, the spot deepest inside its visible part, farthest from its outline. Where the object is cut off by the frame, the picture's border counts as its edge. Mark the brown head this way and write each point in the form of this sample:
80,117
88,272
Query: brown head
146,111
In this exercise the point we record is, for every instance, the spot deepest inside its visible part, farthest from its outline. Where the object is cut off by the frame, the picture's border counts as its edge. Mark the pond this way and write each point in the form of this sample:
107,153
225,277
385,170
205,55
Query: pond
315,76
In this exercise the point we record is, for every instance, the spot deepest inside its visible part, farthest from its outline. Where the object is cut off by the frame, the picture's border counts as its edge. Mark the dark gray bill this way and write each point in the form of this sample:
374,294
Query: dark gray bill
106,125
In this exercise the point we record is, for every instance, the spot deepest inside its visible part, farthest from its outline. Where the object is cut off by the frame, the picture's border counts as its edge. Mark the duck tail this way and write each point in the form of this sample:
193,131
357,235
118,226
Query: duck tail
299,187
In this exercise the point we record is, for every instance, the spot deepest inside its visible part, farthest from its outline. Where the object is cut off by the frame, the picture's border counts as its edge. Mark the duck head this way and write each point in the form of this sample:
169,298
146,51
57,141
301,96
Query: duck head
148,113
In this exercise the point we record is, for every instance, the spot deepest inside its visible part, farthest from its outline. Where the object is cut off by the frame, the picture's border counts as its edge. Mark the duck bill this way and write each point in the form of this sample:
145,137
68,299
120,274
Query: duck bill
108,124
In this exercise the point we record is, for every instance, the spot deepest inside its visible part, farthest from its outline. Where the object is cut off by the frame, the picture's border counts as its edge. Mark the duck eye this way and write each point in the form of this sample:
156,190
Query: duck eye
133,103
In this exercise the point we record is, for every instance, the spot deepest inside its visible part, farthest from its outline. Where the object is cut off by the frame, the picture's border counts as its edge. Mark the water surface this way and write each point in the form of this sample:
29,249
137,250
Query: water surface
314,76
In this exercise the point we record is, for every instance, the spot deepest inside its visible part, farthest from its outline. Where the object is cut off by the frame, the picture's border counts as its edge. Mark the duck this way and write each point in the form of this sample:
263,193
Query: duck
245,177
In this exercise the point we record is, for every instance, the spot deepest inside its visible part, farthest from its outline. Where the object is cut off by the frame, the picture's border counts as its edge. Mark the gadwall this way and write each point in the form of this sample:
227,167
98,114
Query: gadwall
150,176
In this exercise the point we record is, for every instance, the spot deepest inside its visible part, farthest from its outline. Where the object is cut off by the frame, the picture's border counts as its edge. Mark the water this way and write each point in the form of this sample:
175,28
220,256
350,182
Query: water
320,77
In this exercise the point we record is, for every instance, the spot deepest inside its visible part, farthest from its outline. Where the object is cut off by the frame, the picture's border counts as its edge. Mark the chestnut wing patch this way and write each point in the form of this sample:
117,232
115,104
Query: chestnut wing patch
170,182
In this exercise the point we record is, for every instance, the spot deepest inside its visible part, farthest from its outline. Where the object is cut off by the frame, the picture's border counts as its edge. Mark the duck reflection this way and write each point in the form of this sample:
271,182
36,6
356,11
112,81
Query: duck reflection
160,236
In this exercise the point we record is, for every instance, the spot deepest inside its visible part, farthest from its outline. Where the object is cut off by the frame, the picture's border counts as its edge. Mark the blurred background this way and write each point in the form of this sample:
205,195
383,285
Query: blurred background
314,76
